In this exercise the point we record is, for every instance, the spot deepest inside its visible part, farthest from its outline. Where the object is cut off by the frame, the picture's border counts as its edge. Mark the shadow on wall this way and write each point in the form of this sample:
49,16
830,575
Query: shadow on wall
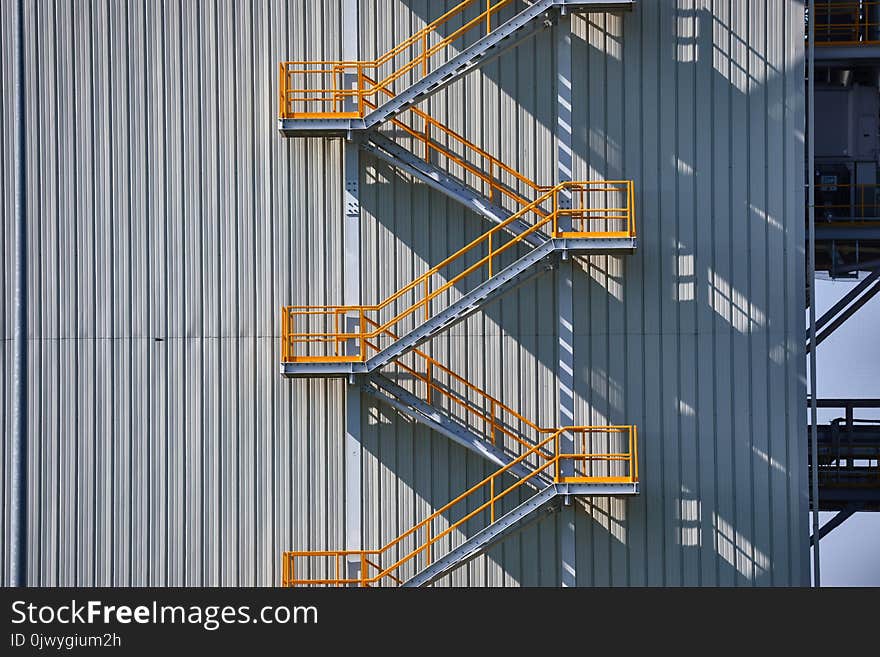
677,100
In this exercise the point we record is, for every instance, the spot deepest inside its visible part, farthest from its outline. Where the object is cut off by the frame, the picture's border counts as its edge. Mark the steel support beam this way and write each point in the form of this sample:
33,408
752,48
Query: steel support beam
404,401
836,402
811,273
564,299
851,302
842,233
352,296
848,55
835,522
845,300
866,265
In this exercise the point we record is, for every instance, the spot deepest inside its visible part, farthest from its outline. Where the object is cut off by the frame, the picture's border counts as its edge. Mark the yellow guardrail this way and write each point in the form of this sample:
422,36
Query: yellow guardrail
489,174
852,201
856,22
419,544
325,326
324,89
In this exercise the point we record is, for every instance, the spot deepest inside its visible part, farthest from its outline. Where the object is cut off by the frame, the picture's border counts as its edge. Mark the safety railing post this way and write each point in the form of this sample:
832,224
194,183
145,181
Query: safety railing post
632,208
635,433
360,89
363,573
488,16
555,225
427,140
492,499
491,181
490,254
492,421
284,334
558,455
427,297
429,381
425,54
584,452
428,545
362,331
629,452
282,91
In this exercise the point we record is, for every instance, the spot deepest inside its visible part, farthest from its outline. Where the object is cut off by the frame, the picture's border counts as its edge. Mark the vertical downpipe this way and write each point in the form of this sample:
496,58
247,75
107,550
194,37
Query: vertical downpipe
811,276
18,455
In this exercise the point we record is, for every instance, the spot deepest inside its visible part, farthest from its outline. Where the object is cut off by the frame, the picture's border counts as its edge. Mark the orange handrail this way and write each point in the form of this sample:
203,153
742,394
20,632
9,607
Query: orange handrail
432,385
852,23
860,201
488,248
431,144
493,489
338,81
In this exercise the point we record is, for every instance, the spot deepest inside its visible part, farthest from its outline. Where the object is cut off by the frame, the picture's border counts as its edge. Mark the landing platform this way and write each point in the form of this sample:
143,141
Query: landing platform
330,127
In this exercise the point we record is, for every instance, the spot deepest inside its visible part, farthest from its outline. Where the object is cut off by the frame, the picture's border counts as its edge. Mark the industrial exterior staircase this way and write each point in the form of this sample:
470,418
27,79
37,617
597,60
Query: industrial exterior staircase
459,152
411,558
314,338
538,468
330,97
603,462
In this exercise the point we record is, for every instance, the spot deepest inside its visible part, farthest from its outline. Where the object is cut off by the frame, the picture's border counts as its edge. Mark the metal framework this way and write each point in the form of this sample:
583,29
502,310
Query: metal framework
847,22
848,458
479,504
483,261
845,308
843,221
312,95
537,466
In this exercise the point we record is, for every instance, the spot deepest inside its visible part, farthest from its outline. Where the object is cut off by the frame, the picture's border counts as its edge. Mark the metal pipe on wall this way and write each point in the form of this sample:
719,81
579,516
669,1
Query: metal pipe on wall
18,447
811,274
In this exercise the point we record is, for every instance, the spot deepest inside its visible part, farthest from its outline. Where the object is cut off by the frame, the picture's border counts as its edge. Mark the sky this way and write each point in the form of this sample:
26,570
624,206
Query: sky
847,365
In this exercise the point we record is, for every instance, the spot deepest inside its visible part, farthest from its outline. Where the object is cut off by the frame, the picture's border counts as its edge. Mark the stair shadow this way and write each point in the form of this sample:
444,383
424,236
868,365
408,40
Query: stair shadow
418,471
688,290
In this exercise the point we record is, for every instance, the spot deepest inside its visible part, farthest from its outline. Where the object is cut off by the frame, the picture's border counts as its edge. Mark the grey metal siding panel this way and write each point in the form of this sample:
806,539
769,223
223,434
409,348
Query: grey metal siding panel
170,222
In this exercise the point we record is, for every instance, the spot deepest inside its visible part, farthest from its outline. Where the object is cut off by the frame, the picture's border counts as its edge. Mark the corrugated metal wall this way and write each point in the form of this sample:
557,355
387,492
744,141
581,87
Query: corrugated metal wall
169,221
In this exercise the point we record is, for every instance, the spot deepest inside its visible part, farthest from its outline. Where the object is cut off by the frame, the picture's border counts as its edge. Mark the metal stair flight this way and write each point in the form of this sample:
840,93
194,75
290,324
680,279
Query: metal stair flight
328,97
316,339
404,401
508,439
471,159
534,227
437,178
411,559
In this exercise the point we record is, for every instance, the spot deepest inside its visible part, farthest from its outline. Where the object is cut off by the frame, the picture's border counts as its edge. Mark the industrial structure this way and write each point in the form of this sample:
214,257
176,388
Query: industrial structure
540,271
846,88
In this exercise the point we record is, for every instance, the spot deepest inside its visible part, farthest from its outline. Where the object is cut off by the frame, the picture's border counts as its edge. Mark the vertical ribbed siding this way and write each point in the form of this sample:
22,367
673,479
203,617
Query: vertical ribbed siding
169,222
